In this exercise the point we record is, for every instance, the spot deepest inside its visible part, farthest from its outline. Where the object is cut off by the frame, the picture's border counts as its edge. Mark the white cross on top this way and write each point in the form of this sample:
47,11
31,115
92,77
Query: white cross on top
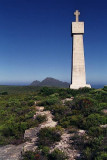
77,13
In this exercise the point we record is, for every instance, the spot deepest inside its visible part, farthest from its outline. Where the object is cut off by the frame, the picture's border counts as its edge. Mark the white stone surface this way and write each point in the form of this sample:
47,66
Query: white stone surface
72,86
77,14
78,60
77,27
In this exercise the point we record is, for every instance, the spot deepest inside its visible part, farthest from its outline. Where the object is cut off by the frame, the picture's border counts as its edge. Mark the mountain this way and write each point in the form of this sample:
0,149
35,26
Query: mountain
50,82
35,83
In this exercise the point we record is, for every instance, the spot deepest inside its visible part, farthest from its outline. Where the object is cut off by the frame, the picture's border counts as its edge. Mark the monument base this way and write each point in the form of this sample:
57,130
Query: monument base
74,86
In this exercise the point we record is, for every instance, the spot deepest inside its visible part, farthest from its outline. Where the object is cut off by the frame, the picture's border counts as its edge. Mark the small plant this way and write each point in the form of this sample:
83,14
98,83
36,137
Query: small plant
41,118
85,105
95,120
31,103
29,155
87,153
95,131
57,155
45,150
102,156
48,136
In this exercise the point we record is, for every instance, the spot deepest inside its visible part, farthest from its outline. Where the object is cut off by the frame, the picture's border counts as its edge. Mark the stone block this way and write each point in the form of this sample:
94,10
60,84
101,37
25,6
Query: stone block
78,27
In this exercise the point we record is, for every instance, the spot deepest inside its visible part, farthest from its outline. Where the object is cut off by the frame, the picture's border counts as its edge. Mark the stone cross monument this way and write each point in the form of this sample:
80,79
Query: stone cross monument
78,78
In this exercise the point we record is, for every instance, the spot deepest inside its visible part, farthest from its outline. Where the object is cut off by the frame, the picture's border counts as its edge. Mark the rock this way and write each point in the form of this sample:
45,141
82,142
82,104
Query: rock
11,152
103,126
29,146
67,99
81,132
40,108
65,146
30,133
104,111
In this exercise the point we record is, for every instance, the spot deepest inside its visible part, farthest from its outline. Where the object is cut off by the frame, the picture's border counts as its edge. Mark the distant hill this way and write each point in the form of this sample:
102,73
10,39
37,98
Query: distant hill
50,82
35,83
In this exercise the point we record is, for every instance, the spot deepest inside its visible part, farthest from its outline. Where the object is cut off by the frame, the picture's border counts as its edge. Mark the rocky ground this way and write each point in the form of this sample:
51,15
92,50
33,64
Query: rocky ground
65,146
12,152
31,134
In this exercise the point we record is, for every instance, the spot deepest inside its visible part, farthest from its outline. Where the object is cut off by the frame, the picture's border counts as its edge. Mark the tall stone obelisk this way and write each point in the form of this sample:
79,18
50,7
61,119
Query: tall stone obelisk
78,78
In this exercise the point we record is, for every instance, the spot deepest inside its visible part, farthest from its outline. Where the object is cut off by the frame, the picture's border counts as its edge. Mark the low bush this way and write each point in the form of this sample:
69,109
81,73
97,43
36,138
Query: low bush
85,105
41,118
87,153
57,155
31,102
95,131
77,120
102,106
44,155
48,101
105,88
48,136
29,155
45,150
95,120
46,91
92,147
101,156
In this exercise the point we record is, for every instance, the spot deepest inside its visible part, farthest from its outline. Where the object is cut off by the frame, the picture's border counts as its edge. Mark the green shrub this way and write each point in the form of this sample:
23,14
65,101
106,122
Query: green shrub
48,136
63,94
57,155
9,130
4,93
96,142
41,118
31,102
29,115
101,156
49,101
76,120
23,126
46,91
92,147
85,105
29,155
95,131
87,153
3,140
100,96
60,110
102,106
95,120
84,90
45,150
55,95
105,88
65,123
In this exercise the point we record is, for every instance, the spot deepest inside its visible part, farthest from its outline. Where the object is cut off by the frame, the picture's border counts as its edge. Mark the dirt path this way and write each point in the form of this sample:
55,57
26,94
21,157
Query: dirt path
31,134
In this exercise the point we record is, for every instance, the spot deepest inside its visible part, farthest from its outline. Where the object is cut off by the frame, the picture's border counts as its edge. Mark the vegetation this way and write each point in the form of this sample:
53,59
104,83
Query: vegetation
16,114
48,136
85,111
55,155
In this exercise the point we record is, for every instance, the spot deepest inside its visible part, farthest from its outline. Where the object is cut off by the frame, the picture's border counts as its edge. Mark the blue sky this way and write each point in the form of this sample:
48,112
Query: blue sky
36,42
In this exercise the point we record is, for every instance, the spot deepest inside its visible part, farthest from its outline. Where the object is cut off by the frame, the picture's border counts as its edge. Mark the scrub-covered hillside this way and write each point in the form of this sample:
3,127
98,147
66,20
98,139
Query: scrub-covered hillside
80,118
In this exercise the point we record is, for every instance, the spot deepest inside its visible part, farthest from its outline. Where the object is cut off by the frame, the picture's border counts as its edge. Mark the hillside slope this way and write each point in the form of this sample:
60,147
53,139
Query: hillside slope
50,82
